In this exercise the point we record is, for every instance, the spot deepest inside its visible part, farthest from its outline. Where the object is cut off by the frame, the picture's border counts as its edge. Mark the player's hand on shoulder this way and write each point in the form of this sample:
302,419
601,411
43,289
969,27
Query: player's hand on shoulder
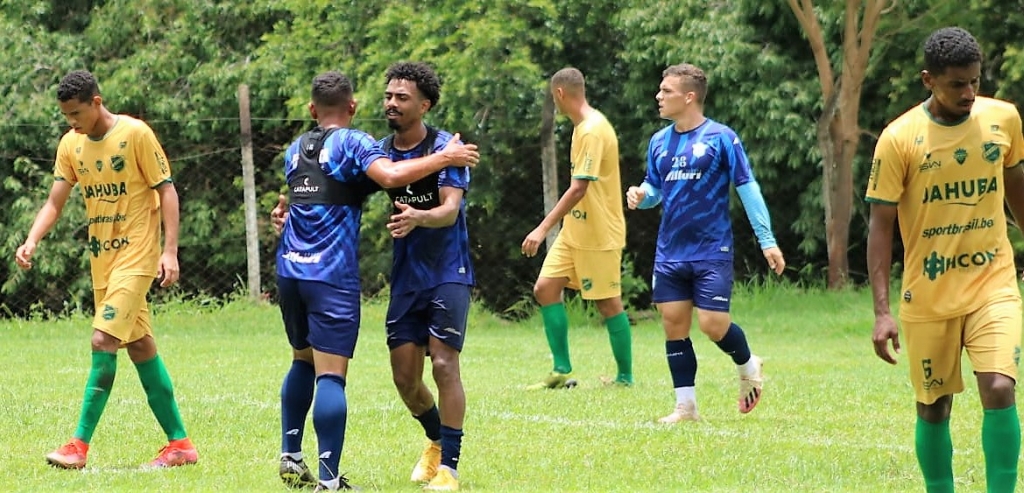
23,256
635,195
775,260
459,154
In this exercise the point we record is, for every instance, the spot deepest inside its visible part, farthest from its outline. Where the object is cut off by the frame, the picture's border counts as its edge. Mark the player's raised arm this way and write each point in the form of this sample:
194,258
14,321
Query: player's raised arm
391,174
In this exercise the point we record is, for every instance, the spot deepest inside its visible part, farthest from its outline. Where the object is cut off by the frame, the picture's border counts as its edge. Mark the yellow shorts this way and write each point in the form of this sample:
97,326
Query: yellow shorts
991,336
121,308
596,274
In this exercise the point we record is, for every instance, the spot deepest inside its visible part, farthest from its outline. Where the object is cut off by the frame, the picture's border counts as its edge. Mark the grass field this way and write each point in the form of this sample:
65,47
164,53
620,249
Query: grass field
834,417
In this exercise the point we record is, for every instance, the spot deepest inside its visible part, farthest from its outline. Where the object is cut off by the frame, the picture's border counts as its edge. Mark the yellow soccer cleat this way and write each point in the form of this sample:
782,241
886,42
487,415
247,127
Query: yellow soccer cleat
445,480
426,467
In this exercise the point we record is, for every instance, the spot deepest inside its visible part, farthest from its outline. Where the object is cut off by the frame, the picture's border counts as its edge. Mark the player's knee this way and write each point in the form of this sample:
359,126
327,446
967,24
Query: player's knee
446,368
996,390
405,383
101,341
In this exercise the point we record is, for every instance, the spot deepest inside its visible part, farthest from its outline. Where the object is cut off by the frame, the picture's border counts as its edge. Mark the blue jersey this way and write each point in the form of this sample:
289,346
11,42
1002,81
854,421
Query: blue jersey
320,242
429,257
693,170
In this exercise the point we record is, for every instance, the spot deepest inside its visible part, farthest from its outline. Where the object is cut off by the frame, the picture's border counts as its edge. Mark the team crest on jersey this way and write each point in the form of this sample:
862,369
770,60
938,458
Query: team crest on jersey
700,149
122,144
99,165
960,155
117,163
990,151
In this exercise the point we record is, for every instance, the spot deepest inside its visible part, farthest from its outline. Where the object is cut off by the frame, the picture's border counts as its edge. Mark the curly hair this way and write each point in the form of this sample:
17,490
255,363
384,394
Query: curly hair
692,78
331,89
421,74
950,47
77,84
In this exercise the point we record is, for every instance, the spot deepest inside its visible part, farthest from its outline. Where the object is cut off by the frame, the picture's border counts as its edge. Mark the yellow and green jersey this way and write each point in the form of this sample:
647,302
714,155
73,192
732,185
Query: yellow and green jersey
946,181
597,221
117,175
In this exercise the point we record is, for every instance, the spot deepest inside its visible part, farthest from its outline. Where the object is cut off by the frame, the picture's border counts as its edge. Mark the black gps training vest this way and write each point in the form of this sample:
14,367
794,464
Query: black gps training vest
425,193
310,185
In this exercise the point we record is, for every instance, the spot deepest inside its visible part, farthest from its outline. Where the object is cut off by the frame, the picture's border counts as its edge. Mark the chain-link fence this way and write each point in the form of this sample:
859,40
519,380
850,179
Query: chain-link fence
214,259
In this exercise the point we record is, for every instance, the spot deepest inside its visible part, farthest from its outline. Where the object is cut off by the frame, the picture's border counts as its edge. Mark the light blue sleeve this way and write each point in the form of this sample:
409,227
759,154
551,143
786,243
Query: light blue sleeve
757,213
652,197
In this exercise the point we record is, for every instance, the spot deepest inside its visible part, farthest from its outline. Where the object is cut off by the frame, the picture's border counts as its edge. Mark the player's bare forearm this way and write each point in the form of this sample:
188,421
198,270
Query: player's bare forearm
572,196
445,214
1014,183
169,214
50,211
880,235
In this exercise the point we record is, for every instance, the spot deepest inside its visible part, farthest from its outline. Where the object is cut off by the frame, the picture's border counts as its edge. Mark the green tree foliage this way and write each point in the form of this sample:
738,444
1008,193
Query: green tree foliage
178,64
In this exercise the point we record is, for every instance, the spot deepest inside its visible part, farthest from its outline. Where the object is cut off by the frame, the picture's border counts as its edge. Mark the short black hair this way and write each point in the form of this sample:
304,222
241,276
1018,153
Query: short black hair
950,47
331,89
77,84
420,73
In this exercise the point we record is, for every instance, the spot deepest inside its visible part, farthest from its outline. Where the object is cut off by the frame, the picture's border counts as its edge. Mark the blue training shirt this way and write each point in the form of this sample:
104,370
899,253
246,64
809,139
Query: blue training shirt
429,257
320,242
693,171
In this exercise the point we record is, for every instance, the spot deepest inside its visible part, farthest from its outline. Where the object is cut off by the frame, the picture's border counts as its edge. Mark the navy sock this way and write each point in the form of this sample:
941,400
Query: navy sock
682,362
296,399
431,422
735,345
451,447
330,412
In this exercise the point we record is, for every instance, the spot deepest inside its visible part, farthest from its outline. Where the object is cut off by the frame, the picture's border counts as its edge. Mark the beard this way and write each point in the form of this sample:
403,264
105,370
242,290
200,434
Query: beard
393,124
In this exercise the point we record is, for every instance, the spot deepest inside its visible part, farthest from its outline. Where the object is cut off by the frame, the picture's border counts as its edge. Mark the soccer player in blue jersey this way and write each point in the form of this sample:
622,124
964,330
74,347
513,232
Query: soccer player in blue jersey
690,165
329,171
431,275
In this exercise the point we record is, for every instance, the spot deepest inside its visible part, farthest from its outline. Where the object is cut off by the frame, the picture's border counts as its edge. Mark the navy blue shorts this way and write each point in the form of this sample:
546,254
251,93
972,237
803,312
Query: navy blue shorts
707,282
320,315
441,313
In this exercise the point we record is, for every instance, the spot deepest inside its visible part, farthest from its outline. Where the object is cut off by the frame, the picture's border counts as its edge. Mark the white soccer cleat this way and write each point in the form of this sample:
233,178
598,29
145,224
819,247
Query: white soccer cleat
751,386
684,411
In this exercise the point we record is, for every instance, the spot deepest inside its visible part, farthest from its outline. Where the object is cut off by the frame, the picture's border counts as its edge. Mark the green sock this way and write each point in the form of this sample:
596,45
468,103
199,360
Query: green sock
619,334
556,328
1000,438
160,393
934,449
97,391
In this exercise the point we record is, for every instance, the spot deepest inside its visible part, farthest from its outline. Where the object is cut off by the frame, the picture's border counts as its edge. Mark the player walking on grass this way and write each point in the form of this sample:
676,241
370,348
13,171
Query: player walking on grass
431,275
690,165
945,168
125,180
329,171
587,254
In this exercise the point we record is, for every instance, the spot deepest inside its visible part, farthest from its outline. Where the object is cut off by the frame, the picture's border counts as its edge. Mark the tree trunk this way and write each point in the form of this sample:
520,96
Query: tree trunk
548,162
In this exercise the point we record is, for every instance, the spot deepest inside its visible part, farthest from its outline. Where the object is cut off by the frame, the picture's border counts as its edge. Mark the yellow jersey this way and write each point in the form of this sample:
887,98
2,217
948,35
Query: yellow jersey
117,175
946,181
597,222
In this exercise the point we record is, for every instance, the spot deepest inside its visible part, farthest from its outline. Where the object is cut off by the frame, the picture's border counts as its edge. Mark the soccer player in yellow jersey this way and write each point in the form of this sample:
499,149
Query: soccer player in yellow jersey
587,255
944,169
123,175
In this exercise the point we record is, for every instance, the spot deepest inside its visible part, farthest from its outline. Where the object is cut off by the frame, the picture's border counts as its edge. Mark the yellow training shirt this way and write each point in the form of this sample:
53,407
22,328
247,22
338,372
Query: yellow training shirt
117,175
946,181
597,221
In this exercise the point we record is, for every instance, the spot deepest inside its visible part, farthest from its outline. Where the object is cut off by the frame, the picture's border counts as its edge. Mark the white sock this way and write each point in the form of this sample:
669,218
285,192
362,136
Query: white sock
455,474
295,456
748,368
686,394
332,484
